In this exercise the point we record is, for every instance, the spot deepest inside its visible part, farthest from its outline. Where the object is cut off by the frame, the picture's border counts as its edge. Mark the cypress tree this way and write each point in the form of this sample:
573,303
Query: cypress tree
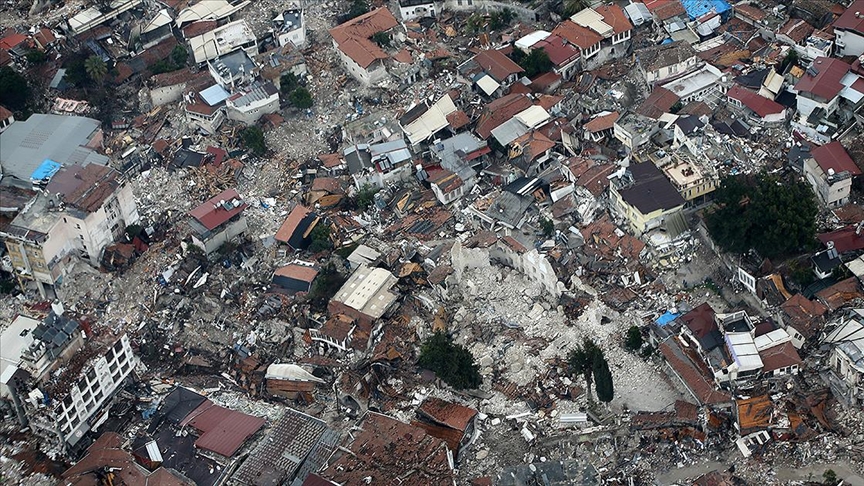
603,379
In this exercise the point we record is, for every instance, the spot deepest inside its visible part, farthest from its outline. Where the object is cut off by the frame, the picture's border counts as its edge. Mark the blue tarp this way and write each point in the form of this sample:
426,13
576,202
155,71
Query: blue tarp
666,318
698,8
45,171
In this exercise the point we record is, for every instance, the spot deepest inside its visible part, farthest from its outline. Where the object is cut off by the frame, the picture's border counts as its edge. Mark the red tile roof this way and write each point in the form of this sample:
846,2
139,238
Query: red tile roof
200,27
779,356
458,119
384,448
695,380
44,36
289,226
496,64
451,414
603,122
803,314
499,111
13,40
751,12
850,20
700,320
614,16
533,144
577,35
354,37
211,214
834,157
559,52
298,272
845,239
5,114
660,101
841,293
760,105
223,431
826,84
665,10
797,30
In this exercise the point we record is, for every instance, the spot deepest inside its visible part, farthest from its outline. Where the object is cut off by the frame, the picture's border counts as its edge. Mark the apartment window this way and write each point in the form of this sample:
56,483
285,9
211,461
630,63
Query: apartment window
82,385
91,375
112,367
98,395
124,368
118,345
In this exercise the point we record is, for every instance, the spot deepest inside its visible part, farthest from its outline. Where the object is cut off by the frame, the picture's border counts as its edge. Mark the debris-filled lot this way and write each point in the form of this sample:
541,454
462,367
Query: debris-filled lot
368,243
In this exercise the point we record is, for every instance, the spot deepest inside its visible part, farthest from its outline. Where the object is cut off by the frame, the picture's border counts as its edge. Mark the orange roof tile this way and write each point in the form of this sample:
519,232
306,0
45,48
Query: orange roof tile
577,35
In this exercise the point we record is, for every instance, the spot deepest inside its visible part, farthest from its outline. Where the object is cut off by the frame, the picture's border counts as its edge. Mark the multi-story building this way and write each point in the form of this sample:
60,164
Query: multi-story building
846,360
291,27
61,387
218,220
830,171
363,57
645,198
79,211
224,40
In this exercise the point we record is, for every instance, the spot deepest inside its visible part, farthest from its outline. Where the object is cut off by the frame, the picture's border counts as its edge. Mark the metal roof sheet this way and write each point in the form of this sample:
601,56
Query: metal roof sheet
223,431
487,84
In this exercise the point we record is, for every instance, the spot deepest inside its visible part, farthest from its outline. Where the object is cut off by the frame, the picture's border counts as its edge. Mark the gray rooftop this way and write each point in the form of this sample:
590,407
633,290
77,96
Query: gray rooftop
452,151
25,145
234,64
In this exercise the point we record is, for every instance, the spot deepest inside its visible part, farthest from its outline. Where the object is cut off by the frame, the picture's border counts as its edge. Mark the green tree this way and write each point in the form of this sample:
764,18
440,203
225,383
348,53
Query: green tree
571,7
320,238
96,68
773,216
451,362
301,98
358,8
829,478
365,196
381,38
633,341
288,83
536,62
14,90
501,18
35,56
179,55
602,379
547,226
581,360
253,140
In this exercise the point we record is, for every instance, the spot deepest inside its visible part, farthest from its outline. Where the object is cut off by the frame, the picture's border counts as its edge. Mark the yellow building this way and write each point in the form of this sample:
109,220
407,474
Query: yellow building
645,198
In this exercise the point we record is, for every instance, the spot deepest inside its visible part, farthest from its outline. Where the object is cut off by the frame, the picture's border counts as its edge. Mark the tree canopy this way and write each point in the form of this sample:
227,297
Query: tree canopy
14,90
451,362
534,63
588,360
633,341
773,216
358,8
253,140
301,98
603,379
96,68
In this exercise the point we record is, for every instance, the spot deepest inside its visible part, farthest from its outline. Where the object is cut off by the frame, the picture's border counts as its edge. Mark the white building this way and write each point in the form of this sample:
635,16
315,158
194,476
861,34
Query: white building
218,221
257,100
849,30
62,411
830,171
69,220
291,27
224,40
665,61
701,85
414,9
847,358
362,57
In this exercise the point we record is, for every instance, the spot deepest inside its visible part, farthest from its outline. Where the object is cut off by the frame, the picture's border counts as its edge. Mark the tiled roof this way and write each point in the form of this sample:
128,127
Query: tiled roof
577,35
298,272
497,64
211,214
780,356
603,122
750,12
614,16
826,81
797,30
660,101
760,105
850,20
834,157
354,37
698,384
451,414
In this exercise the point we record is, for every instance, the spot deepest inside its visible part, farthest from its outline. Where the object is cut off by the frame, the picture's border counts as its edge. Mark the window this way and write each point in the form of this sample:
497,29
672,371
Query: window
82,385
91,375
